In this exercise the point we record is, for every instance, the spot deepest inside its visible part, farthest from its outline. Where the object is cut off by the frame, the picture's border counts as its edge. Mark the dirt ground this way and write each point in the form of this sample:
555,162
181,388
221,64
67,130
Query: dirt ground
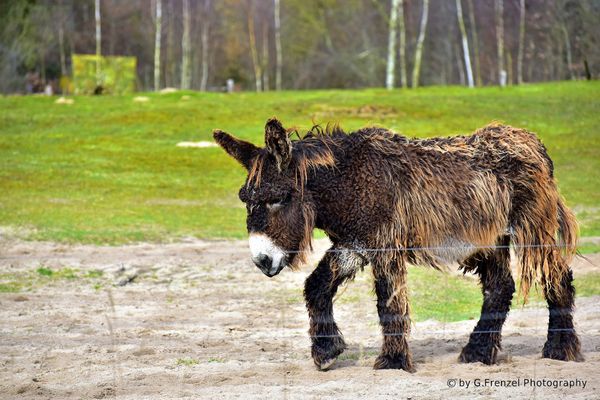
196,320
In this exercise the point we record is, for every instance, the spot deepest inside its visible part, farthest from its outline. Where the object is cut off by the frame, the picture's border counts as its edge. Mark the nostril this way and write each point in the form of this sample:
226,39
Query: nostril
263,261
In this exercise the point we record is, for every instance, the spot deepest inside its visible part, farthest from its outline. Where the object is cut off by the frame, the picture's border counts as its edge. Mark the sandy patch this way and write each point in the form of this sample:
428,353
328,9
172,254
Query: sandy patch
201,144
64,100
199,321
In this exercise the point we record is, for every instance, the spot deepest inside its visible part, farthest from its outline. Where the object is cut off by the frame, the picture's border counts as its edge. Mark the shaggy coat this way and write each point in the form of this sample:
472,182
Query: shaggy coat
387,200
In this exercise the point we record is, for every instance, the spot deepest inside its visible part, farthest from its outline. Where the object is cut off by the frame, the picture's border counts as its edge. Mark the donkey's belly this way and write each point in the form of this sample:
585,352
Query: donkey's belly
452,250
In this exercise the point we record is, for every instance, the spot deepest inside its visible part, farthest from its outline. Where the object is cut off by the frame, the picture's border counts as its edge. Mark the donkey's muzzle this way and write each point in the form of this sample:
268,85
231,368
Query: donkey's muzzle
266,255
266,265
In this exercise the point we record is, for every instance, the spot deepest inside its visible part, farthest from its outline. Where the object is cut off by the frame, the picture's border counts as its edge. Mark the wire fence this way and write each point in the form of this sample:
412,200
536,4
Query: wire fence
437,248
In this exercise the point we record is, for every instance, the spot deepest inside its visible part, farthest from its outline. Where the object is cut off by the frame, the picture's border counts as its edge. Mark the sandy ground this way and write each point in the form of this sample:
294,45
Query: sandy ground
196,320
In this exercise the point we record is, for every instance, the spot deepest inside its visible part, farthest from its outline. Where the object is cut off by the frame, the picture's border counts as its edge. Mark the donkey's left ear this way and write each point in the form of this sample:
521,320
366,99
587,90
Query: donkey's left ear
278,143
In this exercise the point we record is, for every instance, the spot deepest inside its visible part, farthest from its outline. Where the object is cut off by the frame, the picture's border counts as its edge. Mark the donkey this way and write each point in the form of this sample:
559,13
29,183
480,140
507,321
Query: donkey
386,200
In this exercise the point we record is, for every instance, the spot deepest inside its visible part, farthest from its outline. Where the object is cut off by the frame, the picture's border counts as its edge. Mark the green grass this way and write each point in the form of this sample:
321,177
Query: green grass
447,297
187,362
32,280
62,273
107,169
10,287
442,296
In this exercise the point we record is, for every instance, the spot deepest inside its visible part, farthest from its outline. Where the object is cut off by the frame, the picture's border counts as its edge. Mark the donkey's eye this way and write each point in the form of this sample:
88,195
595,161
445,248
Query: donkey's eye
274,206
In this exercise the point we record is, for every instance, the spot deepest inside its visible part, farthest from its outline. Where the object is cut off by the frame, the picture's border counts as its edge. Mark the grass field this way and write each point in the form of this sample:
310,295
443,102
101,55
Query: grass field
107,169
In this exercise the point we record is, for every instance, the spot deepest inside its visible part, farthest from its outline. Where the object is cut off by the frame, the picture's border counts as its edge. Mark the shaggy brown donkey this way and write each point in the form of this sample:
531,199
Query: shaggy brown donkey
386,200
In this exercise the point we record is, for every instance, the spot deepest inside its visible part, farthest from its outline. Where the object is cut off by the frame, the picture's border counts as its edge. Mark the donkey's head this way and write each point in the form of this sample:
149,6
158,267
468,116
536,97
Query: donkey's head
281,213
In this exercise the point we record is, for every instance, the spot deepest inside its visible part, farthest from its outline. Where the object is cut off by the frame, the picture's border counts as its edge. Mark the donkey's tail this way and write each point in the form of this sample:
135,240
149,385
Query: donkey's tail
545,239
567,231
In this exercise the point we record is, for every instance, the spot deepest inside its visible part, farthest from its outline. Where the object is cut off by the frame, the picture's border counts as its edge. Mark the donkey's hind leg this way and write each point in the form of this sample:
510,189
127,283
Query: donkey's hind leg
562,343
319,289
498,288
393,309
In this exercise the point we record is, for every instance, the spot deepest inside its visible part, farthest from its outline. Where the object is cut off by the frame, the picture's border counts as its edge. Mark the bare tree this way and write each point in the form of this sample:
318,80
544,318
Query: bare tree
475,37
169,59
278,55
327,43
568,50
61,46
158,25
186,49
253,51
499,7
402,43
98,43
521,41
419,49
465,44
205,31
265,57
391,58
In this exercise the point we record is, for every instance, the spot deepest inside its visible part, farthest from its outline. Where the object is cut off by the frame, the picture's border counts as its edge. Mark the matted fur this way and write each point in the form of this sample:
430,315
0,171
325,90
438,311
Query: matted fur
389,200
506,177
312,151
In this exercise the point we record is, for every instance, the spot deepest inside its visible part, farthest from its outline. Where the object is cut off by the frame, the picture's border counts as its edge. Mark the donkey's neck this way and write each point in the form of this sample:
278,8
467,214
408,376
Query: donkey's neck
332,193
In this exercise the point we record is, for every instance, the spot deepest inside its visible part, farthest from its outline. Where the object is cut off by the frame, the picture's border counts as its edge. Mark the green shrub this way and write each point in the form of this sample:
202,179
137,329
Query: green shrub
117,74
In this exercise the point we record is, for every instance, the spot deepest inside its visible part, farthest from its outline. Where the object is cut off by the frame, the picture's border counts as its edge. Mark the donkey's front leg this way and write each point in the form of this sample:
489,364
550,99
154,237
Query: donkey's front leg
393,310
319,289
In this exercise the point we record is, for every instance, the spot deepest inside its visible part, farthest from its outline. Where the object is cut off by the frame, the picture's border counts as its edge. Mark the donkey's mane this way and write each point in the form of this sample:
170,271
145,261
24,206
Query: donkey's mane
310,151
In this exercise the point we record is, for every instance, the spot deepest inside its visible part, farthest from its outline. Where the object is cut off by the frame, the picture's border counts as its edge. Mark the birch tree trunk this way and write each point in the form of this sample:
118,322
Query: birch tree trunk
205,31
391,58
62,54
402,44
170,67
459,64
278,55
475,37
98,43
253,52
112,41
419,50
521,41
499,6
265,58
61,47
186,70
158,23
509,68
568,50
465,43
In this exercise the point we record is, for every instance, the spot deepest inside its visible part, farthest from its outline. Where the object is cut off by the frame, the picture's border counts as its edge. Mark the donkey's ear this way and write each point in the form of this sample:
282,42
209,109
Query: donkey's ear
241,150
278,143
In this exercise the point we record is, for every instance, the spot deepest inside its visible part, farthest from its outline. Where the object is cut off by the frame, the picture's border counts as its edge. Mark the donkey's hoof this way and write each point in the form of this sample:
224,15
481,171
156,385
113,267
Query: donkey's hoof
564,348
386,361
325,365
486,353
325,354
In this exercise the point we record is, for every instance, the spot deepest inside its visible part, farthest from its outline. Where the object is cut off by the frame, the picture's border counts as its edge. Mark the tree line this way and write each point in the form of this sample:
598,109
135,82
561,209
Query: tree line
305,44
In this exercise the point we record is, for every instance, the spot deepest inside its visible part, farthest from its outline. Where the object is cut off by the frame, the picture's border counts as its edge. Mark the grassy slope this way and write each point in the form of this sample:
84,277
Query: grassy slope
106,169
